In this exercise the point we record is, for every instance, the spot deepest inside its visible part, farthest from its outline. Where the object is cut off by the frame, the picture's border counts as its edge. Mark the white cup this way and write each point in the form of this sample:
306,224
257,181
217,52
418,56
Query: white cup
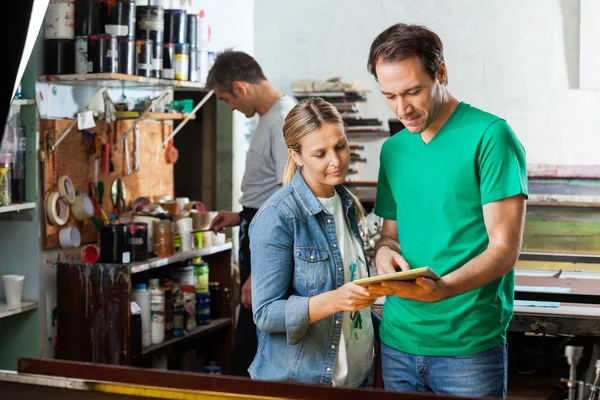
184,225
181,202
186,241
13,289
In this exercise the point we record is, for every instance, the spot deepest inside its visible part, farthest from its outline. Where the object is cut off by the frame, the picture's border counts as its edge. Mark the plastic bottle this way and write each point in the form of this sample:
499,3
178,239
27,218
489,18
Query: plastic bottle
157,306
18,171
141,296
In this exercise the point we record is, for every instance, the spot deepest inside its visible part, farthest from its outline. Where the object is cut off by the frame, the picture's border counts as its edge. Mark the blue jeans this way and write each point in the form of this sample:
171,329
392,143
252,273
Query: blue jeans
477,375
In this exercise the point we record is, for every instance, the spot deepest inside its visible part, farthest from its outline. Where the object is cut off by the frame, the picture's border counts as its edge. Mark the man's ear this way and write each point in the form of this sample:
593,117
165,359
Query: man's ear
239,88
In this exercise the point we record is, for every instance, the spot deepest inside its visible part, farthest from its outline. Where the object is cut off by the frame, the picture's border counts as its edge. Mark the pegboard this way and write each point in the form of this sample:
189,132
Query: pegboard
71,158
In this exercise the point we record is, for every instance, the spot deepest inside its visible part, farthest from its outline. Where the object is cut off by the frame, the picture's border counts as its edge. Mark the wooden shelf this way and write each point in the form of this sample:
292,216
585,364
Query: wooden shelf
118,79
17,207
160,116
177,257
200,331
6,310
24,102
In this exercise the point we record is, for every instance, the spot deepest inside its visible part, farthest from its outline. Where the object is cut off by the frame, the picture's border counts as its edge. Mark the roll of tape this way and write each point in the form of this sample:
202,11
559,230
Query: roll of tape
83,207
195,205
57,209
69,237
66,189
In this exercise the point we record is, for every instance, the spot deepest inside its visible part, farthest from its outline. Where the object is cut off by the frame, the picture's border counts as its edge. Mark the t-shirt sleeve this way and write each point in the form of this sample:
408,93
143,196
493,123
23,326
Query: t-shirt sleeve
278,150
385,205
501,163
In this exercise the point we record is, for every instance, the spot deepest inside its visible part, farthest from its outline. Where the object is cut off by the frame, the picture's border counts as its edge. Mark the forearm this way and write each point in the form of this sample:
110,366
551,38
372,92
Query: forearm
321,306
388,241
493,263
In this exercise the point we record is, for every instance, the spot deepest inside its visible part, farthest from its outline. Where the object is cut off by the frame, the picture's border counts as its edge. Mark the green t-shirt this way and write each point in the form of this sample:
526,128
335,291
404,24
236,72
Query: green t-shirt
435,192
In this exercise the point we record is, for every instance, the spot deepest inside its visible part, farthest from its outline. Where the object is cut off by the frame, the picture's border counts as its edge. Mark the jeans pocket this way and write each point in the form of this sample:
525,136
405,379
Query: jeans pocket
311,266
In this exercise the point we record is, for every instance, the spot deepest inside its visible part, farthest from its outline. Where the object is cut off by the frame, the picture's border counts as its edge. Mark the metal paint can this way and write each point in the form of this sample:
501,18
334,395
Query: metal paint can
168,71
59,21
59,56
81,55
150,23
103,53
182,61
192,30
193,70
157,59
127,56
120,18
144,57
89,16
175,26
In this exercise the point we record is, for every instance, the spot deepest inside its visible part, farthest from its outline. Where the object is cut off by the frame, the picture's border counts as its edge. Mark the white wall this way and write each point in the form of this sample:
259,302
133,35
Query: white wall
517,59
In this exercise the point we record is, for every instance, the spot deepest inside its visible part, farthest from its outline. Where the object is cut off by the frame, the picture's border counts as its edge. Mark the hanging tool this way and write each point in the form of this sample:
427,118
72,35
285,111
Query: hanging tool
136,151
127,160
139,119
97,155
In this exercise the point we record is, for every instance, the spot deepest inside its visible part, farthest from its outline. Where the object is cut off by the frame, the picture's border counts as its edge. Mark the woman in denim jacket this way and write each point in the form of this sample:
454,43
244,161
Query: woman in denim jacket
314,324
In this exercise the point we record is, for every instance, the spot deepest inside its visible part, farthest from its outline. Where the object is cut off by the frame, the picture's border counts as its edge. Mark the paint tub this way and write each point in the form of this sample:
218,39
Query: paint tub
114,244
168,70
120,20
138,241
193,69
59,21
192,30
59,56
175,26
127,56
89,17
144,57
182,61
103,53
150,21
81,55
157,59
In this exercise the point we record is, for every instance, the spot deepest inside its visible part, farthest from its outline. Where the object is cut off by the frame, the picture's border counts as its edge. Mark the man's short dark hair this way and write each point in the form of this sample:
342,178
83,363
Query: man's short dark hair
233,66
401,41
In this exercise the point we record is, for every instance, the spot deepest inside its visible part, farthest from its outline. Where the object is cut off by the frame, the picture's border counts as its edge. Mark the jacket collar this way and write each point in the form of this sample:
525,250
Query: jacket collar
308,199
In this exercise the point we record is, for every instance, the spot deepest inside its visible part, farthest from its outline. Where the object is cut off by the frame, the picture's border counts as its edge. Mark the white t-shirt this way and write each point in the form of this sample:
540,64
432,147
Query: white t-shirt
355,352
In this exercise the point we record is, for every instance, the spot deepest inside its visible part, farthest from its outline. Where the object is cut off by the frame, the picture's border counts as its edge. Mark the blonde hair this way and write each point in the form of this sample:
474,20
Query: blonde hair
306,117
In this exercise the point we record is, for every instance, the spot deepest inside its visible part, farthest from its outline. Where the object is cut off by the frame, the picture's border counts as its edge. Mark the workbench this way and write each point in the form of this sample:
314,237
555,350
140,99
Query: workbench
53,379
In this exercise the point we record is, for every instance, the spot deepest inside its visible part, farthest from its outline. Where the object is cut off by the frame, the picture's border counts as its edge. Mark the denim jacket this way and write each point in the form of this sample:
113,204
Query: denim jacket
295,255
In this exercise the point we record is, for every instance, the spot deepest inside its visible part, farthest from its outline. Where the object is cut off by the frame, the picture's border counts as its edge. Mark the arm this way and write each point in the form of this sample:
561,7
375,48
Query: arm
223,220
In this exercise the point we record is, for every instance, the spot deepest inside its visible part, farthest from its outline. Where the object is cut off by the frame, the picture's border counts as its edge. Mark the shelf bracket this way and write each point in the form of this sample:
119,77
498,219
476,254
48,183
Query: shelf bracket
188,117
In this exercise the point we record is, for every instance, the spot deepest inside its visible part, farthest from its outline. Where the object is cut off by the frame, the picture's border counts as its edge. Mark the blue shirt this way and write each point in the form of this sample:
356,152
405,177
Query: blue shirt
295,256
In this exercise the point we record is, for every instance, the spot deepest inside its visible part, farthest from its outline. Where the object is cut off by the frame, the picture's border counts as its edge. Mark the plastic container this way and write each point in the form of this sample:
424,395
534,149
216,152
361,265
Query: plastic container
212,368
157,307
189,305
202,308
141,296
5,179
201,271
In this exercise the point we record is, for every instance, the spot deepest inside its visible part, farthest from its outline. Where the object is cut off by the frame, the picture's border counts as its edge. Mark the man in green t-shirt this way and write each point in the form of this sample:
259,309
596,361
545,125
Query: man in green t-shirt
452,190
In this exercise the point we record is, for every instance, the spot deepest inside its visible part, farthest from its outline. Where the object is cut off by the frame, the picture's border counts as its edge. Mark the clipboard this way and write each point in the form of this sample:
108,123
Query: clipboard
409,275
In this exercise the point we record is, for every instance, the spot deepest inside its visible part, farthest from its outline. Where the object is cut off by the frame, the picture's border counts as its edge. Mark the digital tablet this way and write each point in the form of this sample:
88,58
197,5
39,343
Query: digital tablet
409,275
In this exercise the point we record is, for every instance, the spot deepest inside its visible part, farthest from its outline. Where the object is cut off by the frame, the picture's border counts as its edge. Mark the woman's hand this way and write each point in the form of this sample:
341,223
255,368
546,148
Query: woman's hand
352,297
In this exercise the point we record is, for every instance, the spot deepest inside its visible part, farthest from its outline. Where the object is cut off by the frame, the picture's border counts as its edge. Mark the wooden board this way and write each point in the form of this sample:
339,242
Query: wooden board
70,158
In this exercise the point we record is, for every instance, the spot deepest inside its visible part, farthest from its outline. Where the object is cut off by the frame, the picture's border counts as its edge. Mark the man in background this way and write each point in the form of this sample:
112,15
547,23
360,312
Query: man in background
238,80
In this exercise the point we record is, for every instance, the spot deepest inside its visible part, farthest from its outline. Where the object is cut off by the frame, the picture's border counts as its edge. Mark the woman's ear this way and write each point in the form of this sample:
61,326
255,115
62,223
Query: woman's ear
296,157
